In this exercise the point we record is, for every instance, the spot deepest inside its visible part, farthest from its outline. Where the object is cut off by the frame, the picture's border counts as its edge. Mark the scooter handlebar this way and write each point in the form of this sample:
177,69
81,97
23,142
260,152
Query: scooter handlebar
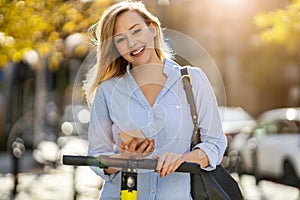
106,161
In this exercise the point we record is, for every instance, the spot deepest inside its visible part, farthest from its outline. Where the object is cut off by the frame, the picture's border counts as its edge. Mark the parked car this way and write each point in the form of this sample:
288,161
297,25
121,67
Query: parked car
234,119
271,149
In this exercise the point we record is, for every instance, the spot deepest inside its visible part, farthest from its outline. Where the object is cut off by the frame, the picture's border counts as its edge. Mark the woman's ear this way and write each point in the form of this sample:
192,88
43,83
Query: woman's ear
153,29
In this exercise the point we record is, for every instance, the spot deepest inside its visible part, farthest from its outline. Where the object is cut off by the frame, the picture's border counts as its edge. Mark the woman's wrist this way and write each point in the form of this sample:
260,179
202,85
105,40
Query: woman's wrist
203,159
110,171
197,156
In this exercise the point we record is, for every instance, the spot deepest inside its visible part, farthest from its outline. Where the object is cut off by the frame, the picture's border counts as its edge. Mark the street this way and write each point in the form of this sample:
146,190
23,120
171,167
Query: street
53,185
267,190
58,184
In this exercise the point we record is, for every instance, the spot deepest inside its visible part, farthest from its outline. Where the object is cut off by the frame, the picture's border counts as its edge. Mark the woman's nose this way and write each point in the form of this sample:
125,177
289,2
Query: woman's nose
131,41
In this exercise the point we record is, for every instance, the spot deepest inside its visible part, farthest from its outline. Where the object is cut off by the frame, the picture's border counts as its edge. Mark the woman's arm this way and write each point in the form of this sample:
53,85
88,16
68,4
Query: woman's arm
197,156
213,140
100,135
169,162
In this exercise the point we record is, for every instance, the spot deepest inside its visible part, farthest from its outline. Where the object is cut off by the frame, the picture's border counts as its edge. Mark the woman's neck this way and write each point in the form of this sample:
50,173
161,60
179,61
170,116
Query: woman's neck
149,73
151,79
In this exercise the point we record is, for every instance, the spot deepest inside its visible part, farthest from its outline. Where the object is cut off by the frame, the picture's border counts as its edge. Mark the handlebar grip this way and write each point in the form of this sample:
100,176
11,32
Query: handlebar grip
193,168
82,161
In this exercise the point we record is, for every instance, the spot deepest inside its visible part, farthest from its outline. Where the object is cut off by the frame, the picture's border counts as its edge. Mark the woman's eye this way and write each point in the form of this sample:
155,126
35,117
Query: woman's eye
136,31
119,40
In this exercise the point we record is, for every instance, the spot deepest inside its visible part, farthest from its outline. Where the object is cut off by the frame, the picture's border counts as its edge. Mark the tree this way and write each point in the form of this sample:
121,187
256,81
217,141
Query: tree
42,26
277,55
281,27
42,29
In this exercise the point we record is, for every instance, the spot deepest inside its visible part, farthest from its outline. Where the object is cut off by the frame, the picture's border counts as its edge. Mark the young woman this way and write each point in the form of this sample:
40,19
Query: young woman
135,86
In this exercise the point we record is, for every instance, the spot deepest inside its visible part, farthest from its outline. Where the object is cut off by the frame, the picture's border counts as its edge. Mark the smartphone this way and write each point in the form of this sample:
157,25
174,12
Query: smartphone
127,136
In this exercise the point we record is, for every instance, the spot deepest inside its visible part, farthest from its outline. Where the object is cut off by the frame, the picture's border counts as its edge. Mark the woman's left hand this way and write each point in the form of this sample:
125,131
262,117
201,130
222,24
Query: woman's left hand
168,163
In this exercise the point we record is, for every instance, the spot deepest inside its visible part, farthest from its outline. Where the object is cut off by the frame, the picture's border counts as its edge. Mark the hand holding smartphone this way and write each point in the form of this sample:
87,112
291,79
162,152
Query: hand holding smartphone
128,136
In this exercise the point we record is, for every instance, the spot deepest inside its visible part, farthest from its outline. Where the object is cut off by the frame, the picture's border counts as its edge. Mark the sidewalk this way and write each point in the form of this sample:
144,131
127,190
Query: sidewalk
53,185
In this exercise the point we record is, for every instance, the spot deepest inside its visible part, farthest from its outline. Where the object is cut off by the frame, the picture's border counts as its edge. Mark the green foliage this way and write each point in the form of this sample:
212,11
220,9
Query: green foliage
281,27
43,26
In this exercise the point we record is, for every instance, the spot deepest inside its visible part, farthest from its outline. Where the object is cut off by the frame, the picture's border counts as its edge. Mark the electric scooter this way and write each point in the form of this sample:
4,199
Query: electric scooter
129,169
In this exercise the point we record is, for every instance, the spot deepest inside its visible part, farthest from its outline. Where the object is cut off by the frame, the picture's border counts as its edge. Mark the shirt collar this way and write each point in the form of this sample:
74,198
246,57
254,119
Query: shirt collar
171,70
170,67
128,68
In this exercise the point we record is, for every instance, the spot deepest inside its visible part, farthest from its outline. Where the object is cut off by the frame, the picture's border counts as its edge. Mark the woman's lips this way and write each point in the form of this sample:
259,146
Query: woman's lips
138,52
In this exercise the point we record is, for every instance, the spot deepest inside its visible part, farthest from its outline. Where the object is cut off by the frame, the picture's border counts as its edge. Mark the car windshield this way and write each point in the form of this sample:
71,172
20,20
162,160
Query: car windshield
277,127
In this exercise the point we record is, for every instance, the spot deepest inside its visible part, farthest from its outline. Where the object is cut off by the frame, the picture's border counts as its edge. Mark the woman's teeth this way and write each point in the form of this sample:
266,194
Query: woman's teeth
137,51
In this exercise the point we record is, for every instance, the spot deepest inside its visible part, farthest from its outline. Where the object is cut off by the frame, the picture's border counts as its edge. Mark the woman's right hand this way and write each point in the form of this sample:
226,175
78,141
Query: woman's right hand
132,151
135,151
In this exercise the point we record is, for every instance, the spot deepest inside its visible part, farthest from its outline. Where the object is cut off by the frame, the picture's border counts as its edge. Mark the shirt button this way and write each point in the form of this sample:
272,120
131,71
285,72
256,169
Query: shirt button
177,106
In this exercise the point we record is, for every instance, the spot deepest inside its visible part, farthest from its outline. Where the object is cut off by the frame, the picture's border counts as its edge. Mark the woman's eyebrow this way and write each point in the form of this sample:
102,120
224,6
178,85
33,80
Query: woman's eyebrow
132,27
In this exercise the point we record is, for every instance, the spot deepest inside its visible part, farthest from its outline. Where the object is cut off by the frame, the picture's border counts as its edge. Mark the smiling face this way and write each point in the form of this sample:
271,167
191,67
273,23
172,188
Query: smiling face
134,39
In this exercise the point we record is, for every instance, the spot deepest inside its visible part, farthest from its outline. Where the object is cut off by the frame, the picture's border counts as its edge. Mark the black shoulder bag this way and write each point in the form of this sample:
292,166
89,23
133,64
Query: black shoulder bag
217,184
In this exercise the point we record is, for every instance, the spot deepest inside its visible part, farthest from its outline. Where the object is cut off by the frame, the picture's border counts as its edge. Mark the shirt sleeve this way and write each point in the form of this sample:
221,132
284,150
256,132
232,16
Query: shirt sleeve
100,131
212,136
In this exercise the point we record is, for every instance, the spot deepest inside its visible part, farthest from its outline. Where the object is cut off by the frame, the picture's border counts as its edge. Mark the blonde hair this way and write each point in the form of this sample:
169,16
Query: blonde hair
109,63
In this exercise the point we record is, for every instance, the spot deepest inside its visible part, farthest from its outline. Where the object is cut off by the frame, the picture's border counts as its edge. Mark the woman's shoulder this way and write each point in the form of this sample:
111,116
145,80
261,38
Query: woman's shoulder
177,64
197,75
106,84
194,70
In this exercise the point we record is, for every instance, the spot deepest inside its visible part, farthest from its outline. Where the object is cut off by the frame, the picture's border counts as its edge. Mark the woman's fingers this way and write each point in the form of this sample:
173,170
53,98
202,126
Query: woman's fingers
149,146
168,163
132,145
160,163
143,147
146,147
123,147
133,150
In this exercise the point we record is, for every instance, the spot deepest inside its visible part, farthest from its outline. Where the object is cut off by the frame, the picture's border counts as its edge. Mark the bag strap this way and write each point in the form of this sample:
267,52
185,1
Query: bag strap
187,86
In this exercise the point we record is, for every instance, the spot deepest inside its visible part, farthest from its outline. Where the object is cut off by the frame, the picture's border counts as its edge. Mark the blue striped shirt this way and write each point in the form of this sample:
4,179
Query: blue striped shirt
120,105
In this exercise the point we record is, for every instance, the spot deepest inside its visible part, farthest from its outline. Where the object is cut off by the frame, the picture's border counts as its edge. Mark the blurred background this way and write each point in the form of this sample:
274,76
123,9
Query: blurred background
255,46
